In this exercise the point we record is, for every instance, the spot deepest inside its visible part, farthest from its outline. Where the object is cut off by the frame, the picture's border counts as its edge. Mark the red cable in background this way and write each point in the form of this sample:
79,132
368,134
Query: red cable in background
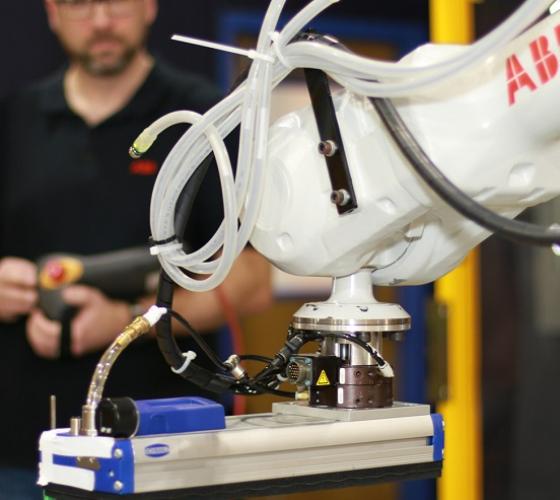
237,341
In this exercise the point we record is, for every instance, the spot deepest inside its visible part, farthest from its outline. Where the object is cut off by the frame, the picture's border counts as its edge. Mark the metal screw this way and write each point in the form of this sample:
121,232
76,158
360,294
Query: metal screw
328,148
118,486
118,453
340,197
398,336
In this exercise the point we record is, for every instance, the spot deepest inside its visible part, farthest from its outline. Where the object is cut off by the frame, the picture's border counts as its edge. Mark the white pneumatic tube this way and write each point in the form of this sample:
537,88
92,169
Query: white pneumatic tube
249,105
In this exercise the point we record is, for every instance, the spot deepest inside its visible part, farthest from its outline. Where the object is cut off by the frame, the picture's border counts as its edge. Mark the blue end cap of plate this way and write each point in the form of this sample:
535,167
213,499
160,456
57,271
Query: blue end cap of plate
116,474
438,440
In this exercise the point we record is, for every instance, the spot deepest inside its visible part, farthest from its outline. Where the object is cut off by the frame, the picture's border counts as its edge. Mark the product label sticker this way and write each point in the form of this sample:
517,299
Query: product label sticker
157,450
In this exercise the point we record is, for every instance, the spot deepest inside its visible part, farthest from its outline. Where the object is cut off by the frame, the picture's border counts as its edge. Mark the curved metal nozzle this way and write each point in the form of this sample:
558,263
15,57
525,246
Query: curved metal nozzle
136,329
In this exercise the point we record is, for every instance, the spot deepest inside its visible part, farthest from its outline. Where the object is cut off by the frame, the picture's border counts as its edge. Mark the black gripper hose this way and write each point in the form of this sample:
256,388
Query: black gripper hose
183,207
172,353
166,342
254,357
212,356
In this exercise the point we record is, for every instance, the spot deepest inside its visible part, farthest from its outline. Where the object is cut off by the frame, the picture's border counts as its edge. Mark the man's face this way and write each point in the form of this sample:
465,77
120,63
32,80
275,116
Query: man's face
101,36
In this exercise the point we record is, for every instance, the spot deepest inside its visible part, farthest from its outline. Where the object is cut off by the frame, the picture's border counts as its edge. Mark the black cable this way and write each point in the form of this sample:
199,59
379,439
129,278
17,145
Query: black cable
293,344
185,201
214,382
512,229
211,381
284,394
364,345
166,342
267,372
212,356
173,355
272,387
254,357
251,389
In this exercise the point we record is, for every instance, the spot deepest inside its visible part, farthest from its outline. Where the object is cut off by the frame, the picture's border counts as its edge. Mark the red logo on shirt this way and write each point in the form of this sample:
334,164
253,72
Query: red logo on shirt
143,167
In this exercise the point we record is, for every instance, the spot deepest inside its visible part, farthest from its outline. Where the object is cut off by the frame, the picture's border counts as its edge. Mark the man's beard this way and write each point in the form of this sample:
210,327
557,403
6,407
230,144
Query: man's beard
95,65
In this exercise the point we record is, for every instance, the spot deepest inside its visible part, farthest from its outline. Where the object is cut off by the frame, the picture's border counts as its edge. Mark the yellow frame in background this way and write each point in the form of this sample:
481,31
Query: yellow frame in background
452,21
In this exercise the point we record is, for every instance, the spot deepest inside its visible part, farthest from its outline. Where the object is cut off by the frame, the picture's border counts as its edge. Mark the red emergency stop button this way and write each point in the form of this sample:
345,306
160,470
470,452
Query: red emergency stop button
55,271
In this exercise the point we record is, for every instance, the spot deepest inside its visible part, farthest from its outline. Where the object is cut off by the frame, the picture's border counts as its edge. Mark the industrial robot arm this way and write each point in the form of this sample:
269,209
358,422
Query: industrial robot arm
467,107
349,187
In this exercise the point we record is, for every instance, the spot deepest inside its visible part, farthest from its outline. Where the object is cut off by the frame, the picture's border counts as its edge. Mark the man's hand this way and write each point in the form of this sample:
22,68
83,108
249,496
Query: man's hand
43,335
18,287
97,323
99,319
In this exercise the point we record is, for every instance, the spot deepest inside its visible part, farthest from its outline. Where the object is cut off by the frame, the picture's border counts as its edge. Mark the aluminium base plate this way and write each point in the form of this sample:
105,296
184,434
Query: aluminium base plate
309,448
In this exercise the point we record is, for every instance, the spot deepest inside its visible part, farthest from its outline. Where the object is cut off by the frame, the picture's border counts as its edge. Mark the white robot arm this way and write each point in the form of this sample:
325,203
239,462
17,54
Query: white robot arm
491,130
494,133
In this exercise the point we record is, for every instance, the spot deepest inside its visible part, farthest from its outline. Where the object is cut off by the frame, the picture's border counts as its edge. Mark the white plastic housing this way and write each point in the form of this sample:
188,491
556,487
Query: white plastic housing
504,154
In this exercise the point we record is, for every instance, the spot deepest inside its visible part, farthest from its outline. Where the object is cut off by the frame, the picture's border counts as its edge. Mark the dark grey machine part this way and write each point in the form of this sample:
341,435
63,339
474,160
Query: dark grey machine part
364,387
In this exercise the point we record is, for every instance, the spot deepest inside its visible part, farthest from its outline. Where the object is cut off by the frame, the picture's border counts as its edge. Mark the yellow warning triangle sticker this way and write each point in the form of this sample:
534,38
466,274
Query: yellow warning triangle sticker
323,379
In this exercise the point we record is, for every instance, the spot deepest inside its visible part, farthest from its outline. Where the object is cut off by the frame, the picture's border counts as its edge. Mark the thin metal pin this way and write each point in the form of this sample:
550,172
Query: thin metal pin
52,404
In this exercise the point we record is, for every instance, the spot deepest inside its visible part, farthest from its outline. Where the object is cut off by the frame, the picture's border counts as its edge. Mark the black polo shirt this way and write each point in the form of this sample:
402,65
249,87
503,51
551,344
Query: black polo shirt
68,187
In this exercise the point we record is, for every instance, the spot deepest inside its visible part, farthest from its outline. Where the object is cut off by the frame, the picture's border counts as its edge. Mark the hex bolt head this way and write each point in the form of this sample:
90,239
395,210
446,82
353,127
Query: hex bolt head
328,148
118,453
118,486
340,197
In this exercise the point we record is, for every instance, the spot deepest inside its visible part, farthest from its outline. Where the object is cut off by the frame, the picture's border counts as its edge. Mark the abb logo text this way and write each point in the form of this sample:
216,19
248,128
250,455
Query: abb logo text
545,62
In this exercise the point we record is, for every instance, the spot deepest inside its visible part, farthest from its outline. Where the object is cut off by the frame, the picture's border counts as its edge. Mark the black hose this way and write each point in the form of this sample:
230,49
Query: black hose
292,346
515,230
254,357
364,345
212,356
213,382
167,344
183,207
256,389
284,394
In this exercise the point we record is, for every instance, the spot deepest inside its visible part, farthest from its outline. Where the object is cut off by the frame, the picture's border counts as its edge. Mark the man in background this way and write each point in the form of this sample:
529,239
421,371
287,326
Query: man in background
67,185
